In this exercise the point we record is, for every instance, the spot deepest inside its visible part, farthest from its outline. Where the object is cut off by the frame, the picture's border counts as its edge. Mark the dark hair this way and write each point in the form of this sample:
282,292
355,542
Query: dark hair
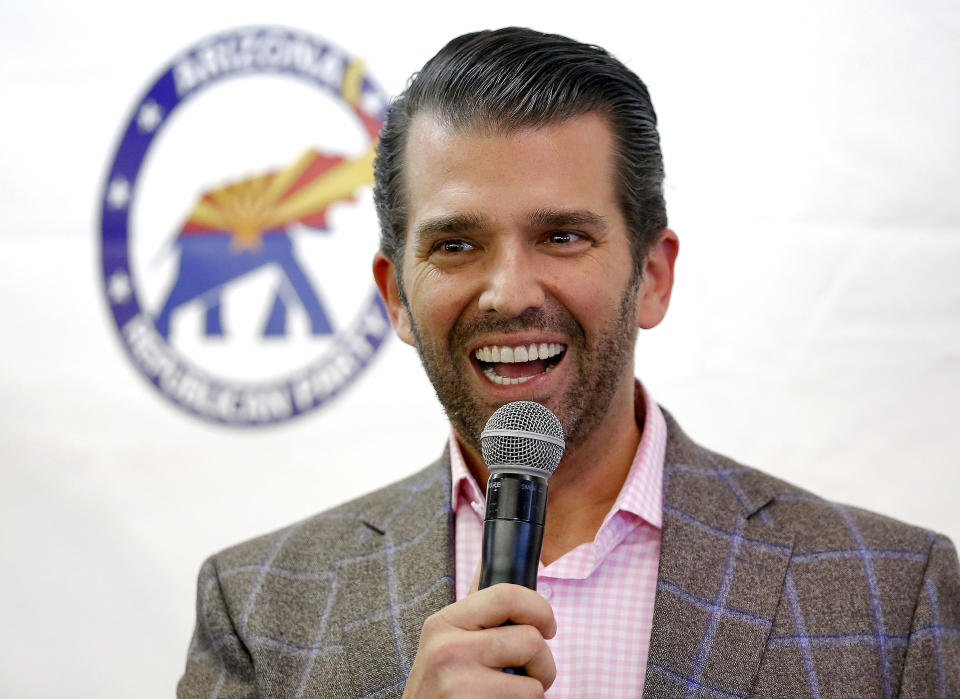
517,78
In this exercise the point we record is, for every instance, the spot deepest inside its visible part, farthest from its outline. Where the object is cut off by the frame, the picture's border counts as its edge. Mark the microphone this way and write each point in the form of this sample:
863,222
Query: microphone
522,444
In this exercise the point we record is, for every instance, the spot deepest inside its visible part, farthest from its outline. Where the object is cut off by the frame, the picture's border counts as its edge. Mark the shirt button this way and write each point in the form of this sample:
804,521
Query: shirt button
545,590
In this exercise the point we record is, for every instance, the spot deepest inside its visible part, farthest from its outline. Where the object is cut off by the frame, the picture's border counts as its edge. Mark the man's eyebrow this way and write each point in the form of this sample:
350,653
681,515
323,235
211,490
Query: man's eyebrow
452,224
561,218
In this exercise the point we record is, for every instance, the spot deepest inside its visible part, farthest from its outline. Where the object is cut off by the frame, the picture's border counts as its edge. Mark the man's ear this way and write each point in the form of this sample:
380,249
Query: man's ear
653,296
385,275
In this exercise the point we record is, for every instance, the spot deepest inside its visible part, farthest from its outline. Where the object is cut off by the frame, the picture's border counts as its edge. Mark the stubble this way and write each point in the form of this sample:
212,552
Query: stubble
583,404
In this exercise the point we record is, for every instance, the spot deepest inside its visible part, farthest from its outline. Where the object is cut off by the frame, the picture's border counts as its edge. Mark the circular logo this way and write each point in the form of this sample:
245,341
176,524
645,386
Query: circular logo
237,224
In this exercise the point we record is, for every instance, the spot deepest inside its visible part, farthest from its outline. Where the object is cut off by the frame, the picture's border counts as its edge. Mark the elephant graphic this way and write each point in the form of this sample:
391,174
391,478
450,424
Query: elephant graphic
243,226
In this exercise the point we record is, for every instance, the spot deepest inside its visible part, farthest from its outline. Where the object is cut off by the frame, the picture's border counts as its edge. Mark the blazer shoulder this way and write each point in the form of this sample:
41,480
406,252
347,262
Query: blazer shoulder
698,479
819,523
318,585
353,528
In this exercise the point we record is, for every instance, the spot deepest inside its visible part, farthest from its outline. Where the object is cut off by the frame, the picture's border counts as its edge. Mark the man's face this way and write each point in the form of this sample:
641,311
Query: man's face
517,272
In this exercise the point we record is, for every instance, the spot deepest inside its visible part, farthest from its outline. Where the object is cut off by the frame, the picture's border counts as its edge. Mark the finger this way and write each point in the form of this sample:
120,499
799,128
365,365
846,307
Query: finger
519,646
542,666
500,684
489,682
493,606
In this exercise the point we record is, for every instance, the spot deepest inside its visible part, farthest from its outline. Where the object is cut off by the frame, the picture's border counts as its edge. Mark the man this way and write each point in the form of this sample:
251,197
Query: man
524,241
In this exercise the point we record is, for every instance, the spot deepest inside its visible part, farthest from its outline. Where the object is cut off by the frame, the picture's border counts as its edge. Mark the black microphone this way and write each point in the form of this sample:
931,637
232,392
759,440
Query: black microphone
522,444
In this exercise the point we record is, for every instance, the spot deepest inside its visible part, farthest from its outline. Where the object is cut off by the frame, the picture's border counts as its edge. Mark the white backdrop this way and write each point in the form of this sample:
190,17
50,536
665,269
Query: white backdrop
811,156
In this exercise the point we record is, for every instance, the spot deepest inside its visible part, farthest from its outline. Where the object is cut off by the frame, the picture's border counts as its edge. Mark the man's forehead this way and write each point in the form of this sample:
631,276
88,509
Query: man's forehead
436,149
556,175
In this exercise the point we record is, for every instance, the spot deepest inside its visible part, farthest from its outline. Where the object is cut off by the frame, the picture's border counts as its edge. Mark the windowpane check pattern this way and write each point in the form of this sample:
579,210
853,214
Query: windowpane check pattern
762,590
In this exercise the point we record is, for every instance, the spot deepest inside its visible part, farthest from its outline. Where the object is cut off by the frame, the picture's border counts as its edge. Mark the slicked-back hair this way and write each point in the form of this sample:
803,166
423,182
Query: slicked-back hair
516,78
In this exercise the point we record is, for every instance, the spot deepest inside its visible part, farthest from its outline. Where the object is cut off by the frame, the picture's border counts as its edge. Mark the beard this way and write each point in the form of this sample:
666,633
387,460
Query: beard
582,405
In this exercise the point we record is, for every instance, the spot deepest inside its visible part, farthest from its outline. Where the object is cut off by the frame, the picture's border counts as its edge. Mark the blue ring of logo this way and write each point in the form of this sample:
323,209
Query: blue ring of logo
235,53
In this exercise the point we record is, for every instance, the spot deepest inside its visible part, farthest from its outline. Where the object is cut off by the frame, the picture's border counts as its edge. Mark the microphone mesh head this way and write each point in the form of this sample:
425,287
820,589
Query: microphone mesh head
534,437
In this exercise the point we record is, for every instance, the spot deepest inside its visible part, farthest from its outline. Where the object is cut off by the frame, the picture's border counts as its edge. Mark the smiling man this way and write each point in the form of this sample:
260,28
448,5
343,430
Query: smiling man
504,261
523,243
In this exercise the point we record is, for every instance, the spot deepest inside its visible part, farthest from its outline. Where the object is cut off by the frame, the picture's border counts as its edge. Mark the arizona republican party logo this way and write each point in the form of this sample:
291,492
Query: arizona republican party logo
237,224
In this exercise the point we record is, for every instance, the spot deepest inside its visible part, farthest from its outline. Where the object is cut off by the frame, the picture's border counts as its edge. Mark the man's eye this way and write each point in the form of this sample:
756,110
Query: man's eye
452,247
564,237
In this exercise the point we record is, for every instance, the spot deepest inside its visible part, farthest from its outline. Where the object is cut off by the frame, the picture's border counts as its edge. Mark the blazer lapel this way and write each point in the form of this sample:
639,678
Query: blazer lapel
721,573
406,577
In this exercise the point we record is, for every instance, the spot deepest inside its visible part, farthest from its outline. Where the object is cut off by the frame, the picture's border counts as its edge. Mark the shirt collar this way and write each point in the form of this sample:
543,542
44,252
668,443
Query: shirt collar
463,485
642,491
641,494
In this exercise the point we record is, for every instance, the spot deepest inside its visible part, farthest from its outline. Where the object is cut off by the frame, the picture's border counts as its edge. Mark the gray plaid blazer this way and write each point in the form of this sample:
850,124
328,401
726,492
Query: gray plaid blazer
763,591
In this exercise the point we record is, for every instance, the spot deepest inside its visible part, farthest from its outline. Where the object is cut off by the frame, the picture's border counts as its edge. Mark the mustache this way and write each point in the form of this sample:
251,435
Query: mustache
559,320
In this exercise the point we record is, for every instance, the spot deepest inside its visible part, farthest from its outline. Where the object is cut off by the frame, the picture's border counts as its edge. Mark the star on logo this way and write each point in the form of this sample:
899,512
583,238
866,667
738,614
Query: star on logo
118,194
119,288
149,117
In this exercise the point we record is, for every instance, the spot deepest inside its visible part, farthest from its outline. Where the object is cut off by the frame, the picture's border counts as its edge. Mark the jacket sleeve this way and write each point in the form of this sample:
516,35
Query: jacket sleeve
932,665
218,663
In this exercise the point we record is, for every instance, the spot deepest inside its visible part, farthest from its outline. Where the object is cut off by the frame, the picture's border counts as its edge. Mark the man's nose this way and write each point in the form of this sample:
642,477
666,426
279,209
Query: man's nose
512,283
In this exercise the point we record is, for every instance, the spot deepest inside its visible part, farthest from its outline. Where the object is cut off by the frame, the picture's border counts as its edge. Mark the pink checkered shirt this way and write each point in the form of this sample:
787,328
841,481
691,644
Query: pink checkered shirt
602,592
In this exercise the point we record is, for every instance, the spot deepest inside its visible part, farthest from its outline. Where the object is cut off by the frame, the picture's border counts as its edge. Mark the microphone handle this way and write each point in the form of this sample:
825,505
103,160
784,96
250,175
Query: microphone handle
511,552
513,532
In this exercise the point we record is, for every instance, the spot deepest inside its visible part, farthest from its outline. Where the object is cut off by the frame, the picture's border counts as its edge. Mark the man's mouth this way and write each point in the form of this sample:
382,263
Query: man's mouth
505,365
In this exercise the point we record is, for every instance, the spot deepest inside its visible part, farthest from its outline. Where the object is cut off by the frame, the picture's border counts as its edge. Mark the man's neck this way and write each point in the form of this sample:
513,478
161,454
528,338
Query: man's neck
588,480
587,483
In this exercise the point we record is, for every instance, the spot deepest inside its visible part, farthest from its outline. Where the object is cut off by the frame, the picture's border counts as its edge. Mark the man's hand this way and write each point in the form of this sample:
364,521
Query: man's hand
464,646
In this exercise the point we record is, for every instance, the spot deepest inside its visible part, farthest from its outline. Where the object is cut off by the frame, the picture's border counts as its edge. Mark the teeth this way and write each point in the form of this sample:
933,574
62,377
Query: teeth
521,353
483,354
518,354
503,380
